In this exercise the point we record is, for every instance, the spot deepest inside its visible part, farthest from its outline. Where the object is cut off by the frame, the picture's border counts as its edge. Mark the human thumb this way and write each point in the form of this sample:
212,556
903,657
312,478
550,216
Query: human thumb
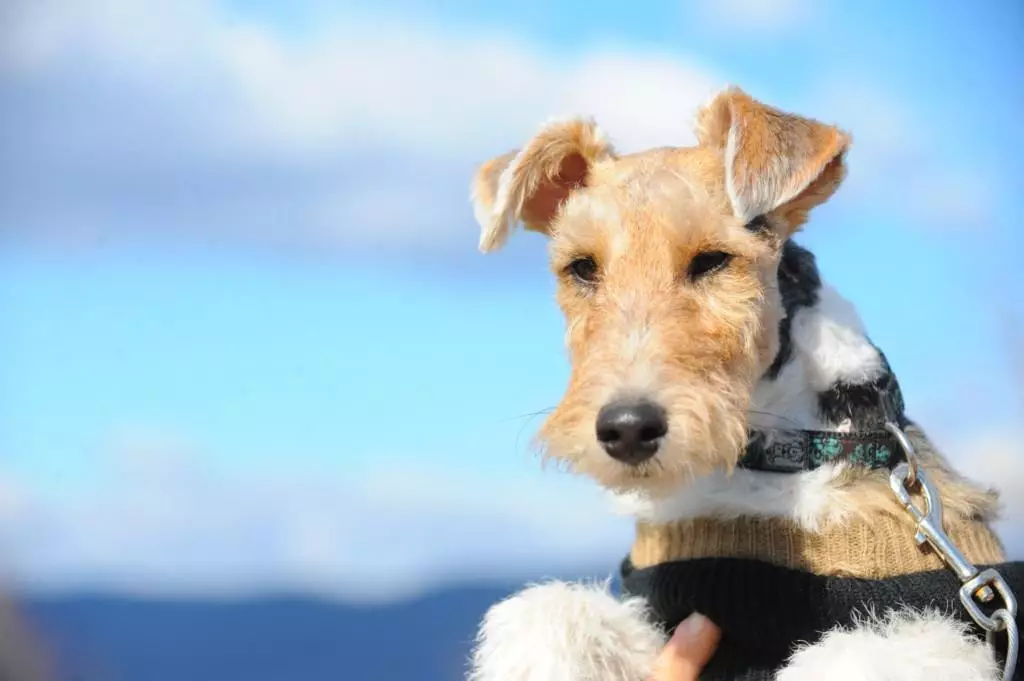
689,649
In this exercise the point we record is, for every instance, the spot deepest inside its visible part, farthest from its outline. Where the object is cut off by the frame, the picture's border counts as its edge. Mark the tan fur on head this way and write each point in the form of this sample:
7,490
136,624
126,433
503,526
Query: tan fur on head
647,328
644,330
774,161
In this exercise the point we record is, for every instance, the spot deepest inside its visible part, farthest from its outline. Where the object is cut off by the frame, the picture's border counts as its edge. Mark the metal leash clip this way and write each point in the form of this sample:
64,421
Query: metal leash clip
977,586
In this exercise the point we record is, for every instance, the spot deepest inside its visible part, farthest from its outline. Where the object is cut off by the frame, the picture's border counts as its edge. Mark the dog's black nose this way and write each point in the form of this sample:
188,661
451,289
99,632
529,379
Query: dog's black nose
631,431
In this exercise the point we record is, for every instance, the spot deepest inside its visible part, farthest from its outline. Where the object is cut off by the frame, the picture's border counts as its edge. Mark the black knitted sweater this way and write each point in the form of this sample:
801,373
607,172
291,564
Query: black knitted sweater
765,610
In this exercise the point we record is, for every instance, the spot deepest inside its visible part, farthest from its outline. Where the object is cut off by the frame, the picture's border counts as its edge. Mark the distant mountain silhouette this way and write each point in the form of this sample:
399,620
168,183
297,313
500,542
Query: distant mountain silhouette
110,638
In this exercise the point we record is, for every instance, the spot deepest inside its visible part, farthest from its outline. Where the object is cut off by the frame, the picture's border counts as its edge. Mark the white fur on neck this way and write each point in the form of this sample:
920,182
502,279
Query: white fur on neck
831,340
808,498
829,346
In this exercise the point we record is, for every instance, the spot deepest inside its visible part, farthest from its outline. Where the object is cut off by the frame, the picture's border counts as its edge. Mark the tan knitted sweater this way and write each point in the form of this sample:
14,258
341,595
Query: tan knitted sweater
883,547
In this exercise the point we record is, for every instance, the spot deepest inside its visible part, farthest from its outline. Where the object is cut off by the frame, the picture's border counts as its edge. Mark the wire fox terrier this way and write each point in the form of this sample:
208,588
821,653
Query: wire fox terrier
732,401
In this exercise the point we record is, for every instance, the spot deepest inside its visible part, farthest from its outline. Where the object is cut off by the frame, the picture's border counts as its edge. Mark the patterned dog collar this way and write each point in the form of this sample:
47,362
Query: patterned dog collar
805,450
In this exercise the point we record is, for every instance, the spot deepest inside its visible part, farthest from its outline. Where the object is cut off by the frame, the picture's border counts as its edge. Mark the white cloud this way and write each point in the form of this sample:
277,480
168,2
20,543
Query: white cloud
760,18
163,522
897,159
996,458
356,82
177,118
952,197
142,119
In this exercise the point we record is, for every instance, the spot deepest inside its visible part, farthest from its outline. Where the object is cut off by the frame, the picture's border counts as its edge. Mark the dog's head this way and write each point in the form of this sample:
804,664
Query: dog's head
667,264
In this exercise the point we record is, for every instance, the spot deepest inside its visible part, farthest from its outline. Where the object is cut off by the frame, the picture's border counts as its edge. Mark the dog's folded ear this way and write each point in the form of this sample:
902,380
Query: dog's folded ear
531,184
775,162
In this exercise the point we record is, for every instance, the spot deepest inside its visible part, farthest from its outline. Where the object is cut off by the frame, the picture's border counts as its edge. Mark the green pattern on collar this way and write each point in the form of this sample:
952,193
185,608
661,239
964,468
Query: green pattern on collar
808,449
805,450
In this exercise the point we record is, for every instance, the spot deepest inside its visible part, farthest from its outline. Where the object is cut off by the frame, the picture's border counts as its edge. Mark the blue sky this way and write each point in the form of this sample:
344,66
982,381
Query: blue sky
250,342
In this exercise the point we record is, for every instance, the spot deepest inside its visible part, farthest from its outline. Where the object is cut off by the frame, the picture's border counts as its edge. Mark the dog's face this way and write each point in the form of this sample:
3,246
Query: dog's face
666,264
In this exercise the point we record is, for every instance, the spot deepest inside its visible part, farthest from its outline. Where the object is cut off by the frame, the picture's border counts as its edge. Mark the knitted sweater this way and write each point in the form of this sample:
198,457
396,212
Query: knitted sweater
764,610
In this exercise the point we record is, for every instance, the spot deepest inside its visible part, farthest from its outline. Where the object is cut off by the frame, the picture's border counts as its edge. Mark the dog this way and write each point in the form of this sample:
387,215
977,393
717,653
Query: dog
731,400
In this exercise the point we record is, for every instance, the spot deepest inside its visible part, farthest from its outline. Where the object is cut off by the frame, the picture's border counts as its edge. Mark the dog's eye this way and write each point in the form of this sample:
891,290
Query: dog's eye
584,269
706,263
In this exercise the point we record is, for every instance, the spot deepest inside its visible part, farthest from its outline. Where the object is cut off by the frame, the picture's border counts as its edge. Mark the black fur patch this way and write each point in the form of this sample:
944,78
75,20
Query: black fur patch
758,225
866,405
799,283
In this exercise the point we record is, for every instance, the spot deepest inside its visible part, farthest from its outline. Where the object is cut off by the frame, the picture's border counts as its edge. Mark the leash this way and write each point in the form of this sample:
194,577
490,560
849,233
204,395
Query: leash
978,587
892,450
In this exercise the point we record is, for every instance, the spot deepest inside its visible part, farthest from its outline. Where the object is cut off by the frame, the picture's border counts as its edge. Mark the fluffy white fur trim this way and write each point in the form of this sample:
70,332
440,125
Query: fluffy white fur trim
560,631
905,646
